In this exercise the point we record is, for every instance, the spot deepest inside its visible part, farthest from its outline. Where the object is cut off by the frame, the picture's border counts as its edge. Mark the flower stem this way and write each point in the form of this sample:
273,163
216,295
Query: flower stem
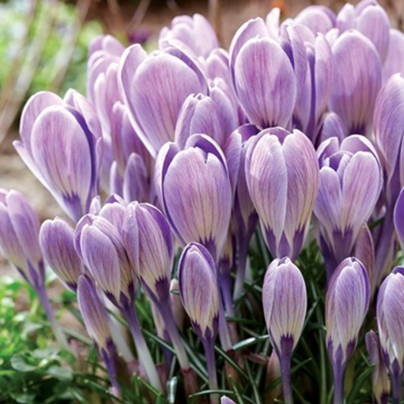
241,265
190,380
109,360
396,387
209,348
285,362
60,337
339,377
143,351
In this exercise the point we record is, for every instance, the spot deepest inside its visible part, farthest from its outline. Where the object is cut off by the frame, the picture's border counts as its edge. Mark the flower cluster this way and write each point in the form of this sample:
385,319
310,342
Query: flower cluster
298,128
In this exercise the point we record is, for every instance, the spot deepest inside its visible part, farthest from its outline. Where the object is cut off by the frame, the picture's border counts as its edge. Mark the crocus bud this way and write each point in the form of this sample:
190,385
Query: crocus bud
260,69
199,114
155,87
100,245
61,144
347,302
350,184
380,379
195,32
56,239
284,300
199,292
102,77
371,20
176,305
193,186
390,323
96,321
282,178
19,229
149,243
395,56
357,81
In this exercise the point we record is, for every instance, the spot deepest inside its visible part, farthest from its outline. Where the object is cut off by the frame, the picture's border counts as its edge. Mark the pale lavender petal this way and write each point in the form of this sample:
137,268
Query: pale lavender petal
399,218
319,19
395,56
56,239
284,300
357,81
136,182
198,288
333,127
265,83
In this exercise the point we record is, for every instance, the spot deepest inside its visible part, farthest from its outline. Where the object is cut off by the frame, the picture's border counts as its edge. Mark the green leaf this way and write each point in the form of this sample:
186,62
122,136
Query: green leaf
20,364
62,374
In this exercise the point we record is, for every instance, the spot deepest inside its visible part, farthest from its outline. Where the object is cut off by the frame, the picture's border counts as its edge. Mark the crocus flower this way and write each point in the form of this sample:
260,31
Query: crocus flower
347,302
370,19
282,178
96,321
19,231
155,87
357,81
193,186
194,32
263,76
332,127
244,215
100,245
350,184
284,300
149,243
61,144
390,323
388,118
202,114
197,279
56,239
380,380
226,400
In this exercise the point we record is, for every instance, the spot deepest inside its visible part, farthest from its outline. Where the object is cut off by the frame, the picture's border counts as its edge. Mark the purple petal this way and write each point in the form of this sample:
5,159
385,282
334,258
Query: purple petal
332,127
198,288
94,313
395,56
284,299
357,81
399,218
56,239
319,19
136,182
265,83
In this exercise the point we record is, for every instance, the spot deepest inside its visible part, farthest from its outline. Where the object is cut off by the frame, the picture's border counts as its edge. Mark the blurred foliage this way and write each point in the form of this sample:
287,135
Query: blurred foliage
13,15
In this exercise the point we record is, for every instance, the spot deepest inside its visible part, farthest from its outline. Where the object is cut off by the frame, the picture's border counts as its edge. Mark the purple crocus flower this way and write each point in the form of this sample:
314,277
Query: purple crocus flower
282,178
155,87
284,300
96,321
194,32
193,186
350,184
380,380
56,239
244,215
370,19
61,144
199,293
357,81
99,242
263,76
390,323
388,119
19,231
347,302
